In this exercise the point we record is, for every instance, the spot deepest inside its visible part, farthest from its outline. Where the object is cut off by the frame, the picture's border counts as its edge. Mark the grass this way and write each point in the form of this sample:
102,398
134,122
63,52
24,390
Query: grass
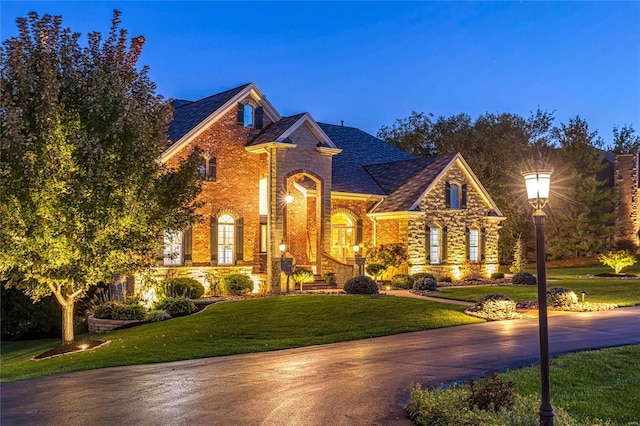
623,292
255,325
602,384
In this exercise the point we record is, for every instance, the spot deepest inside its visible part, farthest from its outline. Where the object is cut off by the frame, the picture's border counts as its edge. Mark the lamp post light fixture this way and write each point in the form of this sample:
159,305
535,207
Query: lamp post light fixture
288,198
359,259
286,263
538,183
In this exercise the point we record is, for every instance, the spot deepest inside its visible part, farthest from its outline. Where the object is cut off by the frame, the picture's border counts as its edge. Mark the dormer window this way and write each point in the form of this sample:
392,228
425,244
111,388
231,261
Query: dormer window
455,196
248,116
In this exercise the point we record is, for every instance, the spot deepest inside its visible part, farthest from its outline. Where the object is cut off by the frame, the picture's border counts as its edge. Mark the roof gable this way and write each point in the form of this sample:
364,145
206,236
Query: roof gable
191,118
282,129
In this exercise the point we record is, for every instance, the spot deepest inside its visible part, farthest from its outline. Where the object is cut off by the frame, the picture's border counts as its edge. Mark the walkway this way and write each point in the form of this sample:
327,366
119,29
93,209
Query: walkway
361,382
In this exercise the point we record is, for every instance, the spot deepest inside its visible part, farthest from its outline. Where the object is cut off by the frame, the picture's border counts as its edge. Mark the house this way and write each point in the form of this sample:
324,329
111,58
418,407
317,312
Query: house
315,190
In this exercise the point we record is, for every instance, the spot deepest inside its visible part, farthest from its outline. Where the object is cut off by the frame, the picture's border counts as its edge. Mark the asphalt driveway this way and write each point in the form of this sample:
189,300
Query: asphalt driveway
362,382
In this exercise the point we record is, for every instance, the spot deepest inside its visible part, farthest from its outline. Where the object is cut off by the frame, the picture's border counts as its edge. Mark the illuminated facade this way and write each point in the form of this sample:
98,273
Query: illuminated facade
320,189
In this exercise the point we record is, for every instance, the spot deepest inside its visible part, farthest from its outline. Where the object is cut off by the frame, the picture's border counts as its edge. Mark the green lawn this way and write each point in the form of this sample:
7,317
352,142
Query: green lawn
239,327
622,292
603,384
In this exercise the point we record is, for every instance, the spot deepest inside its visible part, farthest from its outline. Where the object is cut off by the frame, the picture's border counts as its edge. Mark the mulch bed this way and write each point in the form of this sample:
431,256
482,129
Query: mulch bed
75,347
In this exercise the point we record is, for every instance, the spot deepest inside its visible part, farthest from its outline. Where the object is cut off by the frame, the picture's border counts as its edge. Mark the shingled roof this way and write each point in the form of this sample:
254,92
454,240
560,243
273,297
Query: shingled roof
406,181
274,130
188,115
358,150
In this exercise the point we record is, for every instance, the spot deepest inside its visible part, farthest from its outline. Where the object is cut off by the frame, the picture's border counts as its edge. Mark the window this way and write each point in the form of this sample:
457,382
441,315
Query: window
263,204
248,116
263,234
434,244
474,245
173,248
208,169
342,236
226,239
454,197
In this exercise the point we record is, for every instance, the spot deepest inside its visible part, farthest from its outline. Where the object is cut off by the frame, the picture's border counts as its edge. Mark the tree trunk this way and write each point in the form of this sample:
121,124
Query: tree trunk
67,322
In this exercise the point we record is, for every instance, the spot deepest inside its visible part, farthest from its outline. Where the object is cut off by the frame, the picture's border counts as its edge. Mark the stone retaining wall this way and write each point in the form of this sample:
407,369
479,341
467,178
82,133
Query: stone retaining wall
97,325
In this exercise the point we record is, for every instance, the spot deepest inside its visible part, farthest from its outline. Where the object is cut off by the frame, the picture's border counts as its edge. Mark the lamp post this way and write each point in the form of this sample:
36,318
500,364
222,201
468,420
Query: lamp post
537,183
286,263
359,259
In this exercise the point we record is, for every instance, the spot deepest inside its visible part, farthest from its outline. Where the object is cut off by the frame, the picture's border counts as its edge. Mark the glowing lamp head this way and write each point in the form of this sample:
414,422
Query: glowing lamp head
538,183
288,198
356,249
282,247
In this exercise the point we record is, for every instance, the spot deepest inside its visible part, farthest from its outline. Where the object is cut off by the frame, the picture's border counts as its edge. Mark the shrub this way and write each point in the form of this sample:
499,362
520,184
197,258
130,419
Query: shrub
402,281
627,245
375,269
497,275
617,260
361,285
176,306
157,315
236,284
524,278
423,275
304,276
519,261
24,319
445,279
491,393
119,311
183,286
561,297
495,307
425,284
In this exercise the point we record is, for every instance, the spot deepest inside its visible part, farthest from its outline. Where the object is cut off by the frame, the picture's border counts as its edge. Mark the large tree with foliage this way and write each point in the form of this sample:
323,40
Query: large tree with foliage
625,140
582,204
82,193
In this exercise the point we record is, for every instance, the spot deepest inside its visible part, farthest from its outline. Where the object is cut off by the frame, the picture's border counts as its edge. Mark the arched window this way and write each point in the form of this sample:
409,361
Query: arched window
226,240
248,116
343,232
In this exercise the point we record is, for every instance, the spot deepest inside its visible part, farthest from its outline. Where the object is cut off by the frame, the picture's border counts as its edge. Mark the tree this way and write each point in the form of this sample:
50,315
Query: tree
625,140
582,205
519,262
82,193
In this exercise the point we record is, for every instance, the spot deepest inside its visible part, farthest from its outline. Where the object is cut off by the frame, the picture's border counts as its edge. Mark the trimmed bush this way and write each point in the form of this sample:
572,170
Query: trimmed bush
524,278
491,393
445,279
304,276
157,315
375,269
425,284
402,281
423,275
184,287
176,306
497,275
561,297
495,307
361,285
119,311
236,284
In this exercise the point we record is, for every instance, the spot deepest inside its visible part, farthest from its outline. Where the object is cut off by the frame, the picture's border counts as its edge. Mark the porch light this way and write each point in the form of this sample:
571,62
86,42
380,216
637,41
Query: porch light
356,249
282,246
288,198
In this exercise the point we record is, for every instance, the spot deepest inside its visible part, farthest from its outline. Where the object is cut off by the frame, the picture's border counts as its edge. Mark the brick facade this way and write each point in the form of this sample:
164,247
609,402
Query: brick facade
627,184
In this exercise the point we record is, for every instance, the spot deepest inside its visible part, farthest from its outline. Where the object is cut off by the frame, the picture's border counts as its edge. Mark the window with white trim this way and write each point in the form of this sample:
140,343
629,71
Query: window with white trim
434,246
248,116
226,240
173,254
474,245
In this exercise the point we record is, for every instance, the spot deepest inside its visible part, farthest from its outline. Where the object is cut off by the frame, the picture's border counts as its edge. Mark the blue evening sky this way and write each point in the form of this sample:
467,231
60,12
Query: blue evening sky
368,63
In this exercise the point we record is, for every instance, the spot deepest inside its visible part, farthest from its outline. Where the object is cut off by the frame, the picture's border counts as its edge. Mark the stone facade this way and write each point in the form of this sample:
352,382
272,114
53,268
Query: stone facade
627,184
